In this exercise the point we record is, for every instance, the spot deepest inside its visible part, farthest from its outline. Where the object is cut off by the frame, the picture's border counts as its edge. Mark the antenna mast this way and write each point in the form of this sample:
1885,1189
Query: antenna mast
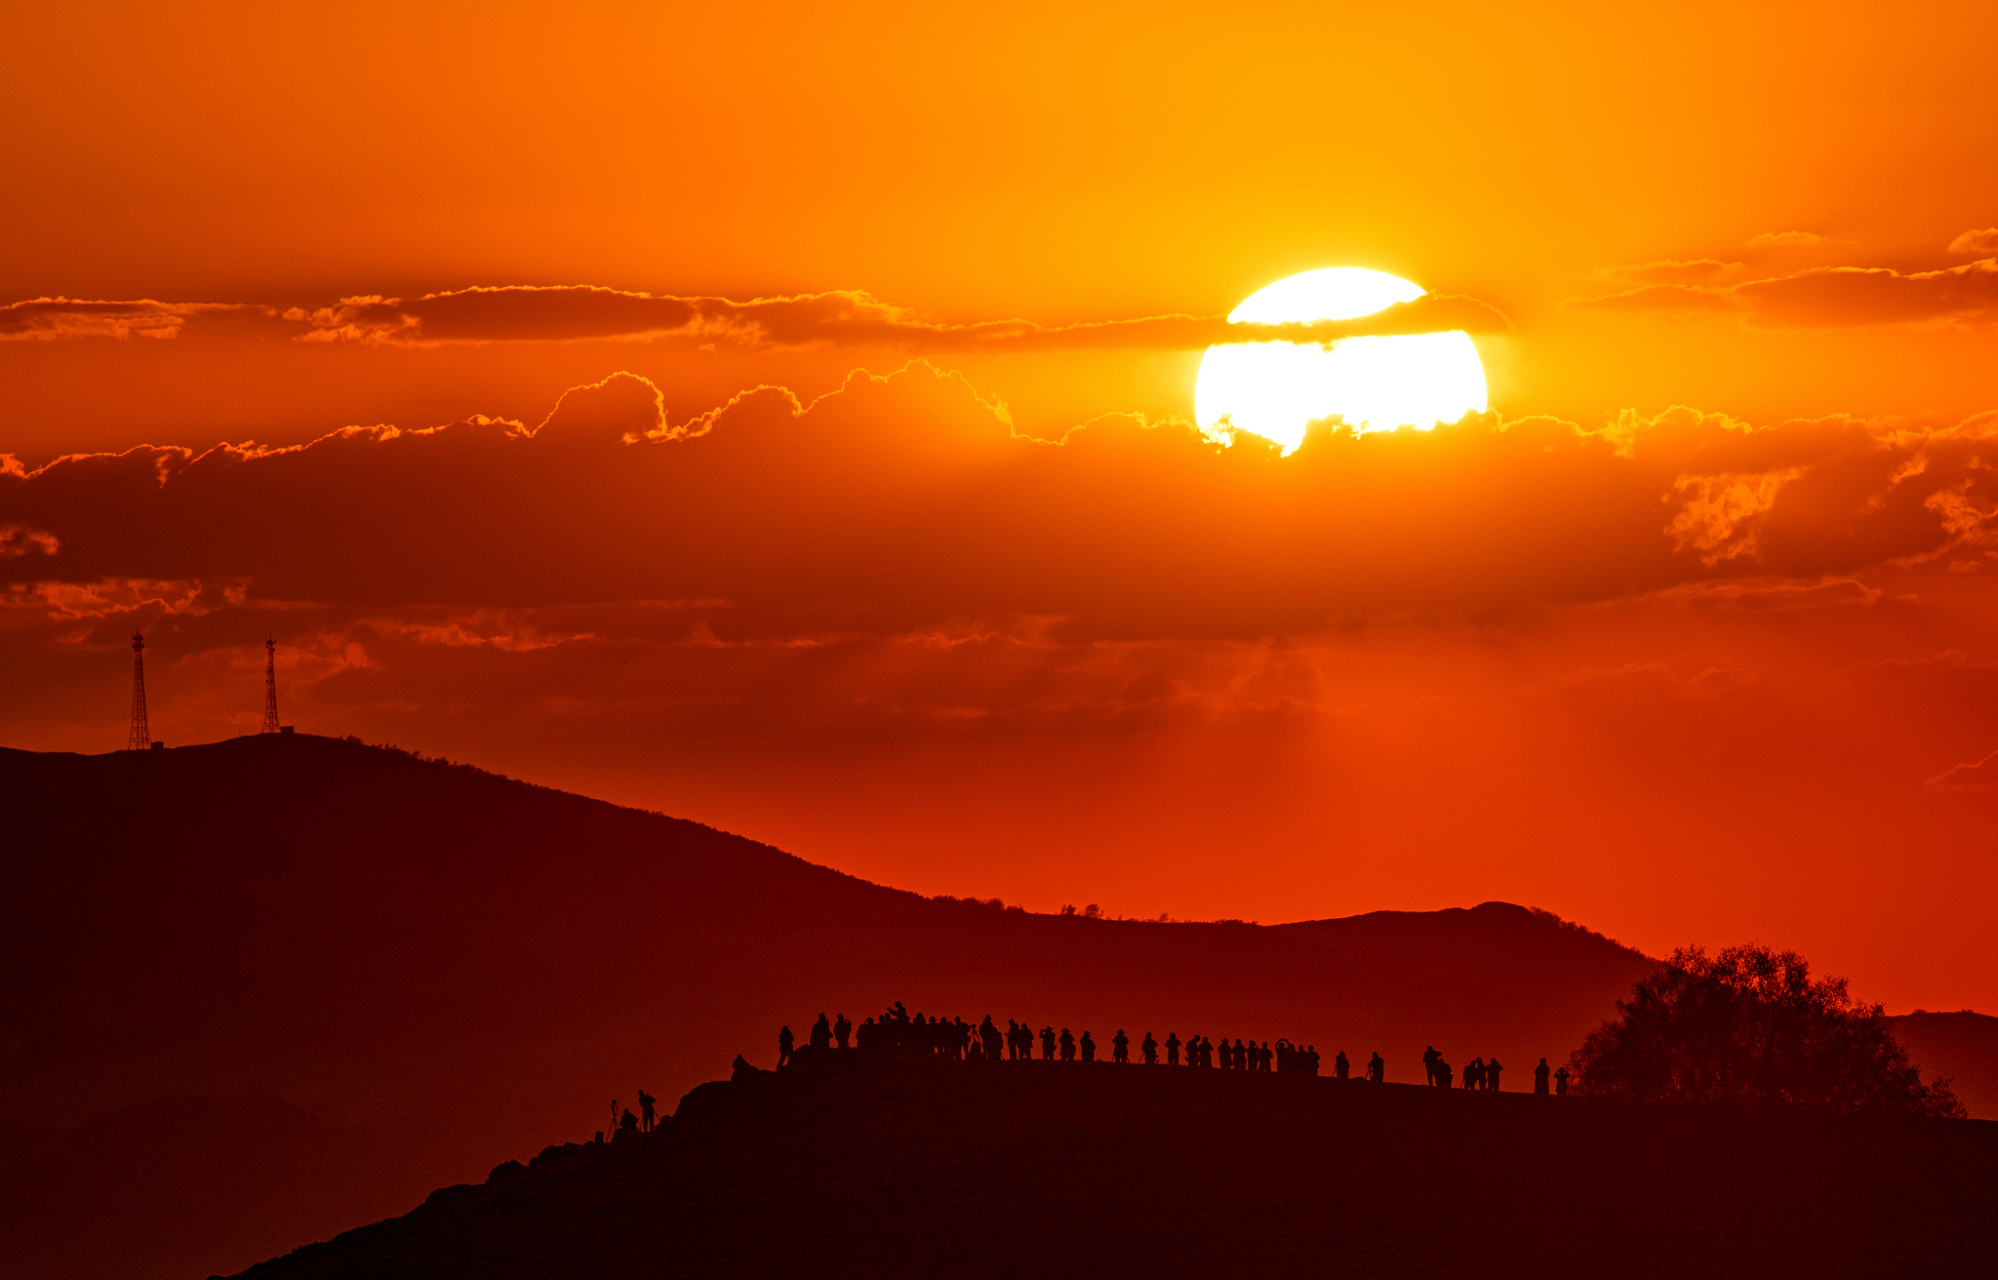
142,736
270,687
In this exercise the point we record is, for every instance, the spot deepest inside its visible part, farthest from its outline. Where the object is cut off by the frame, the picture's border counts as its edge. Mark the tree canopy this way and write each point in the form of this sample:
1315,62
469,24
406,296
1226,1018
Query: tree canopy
1750,1025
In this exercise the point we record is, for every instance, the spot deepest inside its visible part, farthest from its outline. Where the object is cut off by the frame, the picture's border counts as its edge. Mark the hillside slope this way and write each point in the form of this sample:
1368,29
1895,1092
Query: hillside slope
1961,1045
461,968
893,1169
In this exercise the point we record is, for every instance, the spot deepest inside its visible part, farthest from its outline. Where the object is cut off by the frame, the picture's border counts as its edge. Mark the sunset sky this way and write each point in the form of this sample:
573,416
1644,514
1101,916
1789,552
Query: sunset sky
783,418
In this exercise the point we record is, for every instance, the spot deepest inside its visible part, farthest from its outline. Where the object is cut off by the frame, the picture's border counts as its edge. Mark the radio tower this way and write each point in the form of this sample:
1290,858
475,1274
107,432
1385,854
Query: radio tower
270,687
142,736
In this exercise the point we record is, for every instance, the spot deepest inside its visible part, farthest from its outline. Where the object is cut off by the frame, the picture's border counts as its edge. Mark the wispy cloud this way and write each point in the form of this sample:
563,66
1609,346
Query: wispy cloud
588,313
1826,297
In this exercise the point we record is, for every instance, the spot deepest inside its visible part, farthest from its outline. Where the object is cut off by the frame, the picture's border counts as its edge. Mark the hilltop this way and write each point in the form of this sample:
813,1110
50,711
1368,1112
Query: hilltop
912,1168
449,968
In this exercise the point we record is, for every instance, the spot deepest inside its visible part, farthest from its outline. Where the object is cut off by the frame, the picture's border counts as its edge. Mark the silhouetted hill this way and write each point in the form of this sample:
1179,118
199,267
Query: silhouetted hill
465,966
178,1187
1962,1045
909,1169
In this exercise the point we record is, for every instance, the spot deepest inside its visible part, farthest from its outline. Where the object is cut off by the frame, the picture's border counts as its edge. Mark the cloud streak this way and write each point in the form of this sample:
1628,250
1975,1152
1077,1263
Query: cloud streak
1826,297
563,313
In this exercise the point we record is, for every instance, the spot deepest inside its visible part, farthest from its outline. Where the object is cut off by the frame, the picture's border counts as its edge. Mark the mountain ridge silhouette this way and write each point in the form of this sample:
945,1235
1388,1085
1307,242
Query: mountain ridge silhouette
460,967
869,1165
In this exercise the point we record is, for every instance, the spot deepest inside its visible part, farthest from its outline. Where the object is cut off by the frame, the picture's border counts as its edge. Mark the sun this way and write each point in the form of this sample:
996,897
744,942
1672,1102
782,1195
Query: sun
1273,389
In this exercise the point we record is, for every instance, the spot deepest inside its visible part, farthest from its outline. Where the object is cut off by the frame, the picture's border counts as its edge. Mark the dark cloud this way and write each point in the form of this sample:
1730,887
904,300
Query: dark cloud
849,318
908,501
1828,297
50,319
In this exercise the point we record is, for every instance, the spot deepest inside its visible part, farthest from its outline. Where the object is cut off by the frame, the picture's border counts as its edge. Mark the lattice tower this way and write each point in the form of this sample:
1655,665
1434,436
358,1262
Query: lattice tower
142,735
270,687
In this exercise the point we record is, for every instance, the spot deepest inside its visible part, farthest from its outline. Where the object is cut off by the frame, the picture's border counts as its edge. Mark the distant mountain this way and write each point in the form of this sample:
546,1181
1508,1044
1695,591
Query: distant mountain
1962,1046
892,1169
184,1186
464,967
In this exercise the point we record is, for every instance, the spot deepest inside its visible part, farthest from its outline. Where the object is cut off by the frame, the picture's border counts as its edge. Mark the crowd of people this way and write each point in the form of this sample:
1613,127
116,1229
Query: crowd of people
898,1031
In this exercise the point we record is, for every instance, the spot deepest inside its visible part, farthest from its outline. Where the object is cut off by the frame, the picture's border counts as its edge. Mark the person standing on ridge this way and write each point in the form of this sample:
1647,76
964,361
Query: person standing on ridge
1340,1066
1151,1050
1088,1048
842,1031
1120,1048
1047,1044
1561,1083
784,1042
1429,1060
645,1102
1172,1048
1377,1070
1067,1046
1492,1069
1540,1079
822,1033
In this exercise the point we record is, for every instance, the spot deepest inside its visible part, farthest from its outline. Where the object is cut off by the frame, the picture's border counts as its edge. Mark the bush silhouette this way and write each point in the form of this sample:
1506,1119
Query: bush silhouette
1750,1026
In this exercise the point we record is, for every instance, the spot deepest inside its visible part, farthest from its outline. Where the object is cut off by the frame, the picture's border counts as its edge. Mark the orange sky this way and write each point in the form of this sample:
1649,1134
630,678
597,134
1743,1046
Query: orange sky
1689,675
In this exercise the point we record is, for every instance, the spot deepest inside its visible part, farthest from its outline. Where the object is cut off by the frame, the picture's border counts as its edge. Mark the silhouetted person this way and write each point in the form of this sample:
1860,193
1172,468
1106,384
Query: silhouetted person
1429,1060
1311,1059
1540,1079
784,1042
842,1031
1561,1083
1120,1047
1492,1070
1172,1048
988,1035
1377,1069
1047,1044
1241,1055
628,1124
1088,1048
645,1101
1474,1074
1341,1068
822,1033
1444,1075
1067,1046
1150,1048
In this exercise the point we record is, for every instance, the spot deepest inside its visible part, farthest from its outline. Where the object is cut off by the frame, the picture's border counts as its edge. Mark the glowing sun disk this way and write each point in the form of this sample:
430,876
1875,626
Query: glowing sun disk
1273,389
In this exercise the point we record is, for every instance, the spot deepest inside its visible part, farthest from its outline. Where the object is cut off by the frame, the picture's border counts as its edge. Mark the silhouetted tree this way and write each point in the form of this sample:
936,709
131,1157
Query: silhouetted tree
1749,1025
